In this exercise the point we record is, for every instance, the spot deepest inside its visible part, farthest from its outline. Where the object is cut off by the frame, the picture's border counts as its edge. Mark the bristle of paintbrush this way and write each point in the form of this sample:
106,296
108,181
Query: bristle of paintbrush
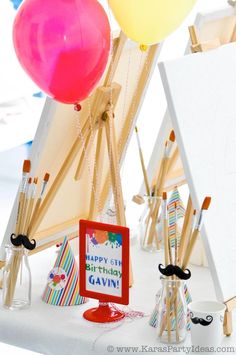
29,180
136,129
164,196
194,212
172,136
26,166
206,203
35,180
46,177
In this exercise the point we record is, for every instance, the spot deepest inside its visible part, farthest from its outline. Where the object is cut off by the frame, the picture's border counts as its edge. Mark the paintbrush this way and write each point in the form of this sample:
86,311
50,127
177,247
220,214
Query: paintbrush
189,250
165,227
186,230
30,204
21,201
196,231
167,258
28,190
15,261
176,234
176,263
31,226
160,183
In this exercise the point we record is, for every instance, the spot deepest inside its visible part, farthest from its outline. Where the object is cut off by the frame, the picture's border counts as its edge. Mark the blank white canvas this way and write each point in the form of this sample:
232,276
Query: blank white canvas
201,94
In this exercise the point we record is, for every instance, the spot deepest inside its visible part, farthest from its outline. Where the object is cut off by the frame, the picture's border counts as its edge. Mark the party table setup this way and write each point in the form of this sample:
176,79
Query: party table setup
77,276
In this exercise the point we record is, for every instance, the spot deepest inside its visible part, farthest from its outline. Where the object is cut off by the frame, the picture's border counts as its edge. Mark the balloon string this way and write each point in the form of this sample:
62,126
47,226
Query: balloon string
87,158
96,198
130,315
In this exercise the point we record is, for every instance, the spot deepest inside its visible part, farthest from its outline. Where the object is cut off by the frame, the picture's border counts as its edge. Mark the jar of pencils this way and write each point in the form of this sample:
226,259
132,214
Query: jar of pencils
172,313
149,225
16,279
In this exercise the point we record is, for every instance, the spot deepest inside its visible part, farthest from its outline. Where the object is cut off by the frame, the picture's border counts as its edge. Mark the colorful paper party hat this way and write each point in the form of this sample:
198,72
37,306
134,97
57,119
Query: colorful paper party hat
175,202
63,280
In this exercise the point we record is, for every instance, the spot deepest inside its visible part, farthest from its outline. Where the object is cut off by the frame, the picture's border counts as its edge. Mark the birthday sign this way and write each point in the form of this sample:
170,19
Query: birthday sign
104,262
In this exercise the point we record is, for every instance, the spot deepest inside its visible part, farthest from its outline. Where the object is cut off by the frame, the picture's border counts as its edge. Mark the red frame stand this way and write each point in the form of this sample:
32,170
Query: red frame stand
104,313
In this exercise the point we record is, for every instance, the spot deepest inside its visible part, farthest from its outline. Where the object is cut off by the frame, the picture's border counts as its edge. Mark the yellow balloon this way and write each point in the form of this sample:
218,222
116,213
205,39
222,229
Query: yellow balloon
150,21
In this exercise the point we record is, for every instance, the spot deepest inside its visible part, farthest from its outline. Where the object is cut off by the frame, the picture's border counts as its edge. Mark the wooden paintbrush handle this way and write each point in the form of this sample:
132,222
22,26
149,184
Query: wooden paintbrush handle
173,159
166,241
21,204
185,230
168,308
24,213
144,173
34,217
162,176
28,215
158,192
190,248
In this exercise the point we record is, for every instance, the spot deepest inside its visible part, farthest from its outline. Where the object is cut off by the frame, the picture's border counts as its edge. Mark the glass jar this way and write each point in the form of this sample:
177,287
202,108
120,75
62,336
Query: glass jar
16,279
172,313
149,226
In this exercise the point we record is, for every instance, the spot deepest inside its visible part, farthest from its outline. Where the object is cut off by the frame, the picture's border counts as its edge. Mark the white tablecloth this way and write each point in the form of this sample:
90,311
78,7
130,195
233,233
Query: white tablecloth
63,331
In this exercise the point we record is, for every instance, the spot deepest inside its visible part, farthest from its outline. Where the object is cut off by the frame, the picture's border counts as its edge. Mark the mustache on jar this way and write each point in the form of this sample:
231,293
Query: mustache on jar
205,323
171,270
23,240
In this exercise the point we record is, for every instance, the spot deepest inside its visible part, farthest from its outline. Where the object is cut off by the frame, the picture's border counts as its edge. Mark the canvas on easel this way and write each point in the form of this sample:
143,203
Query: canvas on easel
68,143
202,111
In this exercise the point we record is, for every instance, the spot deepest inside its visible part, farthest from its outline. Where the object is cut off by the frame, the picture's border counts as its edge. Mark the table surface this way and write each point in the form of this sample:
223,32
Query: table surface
55,330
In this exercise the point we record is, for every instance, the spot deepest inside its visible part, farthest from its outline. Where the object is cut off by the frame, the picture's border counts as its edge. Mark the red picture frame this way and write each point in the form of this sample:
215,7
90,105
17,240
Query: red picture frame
84,226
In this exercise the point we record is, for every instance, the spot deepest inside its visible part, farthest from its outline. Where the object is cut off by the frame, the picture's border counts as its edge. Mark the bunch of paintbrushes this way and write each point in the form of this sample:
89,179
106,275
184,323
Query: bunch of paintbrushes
27,212
176,262
151,240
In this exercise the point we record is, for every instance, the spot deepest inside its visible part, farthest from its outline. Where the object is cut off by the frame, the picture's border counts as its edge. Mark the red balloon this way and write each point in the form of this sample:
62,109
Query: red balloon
63,45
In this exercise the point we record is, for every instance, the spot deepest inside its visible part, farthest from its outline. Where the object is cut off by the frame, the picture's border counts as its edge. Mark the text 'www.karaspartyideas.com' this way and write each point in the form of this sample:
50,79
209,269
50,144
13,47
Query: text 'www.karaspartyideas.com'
170,349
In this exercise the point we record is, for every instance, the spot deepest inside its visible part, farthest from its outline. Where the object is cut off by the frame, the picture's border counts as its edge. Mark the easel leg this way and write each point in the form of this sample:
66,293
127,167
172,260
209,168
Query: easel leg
228,327
115,176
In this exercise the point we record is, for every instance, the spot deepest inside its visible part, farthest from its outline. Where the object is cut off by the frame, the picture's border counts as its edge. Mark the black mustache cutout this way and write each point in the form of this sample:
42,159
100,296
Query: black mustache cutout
201,321
23,240
171,270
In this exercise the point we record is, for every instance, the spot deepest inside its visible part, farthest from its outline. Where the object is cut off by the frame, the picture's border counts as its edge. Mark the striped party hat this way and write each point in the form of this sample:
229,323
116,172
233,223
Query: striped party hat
63,280
175,200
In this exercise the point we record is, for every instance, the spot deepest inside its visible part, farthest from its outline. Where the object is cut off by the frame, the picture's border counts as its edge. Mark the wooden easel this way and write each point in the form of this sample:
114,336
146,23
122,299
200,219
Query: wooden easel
201,47
96,129
196,46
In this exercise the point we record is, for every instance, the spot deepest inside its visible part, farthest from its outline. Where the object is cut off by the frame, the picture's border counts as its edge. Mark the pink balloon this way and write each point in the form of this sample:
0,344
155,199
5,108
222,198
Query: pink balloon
63,45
